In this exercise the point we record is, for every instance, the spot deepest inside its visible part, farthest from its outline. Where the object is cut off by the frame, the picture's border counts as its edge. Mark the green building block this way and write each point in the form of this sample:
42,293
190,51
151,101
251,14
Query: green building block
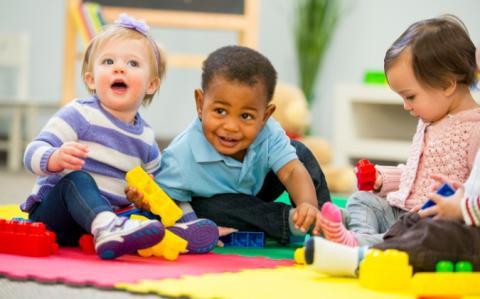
444,266
463,266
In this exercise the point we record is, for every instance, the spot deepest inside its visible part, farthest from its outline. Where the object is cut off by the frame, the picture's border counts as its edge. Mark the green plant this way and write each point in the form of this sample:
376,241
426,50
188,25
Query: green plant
316,22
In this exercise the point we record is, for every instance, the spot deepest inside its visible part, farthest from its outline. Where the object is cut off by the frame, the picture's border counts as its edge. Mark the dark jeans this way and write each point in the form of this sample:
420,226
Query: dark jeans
260,213
428,241
70,207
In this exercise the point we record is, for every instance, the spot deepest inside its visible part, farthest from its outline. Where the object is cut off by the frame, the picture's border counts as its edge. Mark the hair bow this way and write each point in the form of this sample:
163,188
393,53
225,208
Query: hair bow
126,21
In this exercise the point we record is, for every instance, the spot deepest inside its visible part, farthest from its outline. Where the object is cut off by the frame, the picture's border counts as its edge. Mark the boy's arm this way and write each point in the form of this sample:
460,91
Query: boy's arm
294,176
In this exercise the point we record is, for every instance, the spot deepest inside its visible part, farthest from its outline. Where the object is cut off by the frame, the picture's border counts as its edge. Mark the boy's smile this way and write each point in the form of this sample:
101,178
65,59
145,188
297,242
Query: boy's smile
232,114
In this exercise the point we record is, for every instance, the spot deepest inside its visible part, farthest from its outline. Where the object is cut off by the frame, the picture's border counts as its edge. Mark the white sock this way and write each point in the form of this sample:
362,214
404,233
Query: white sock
332,258
101,219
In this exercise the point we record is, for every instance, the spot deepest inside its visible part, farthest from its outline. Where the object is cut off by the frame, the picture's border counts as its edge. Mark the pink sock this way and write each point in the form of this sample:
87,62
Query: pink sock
333,228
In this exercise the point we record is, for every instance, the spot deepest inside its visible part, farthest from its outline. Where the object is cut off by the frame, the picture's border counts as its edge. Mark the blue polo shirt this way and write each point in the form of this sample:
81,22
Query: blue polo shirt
192,167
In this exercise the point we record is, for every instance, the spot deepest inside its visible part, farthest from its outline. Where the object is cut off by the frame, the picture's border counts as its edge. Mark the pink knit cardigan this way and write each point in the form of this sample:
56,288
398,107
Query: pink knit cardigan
447,147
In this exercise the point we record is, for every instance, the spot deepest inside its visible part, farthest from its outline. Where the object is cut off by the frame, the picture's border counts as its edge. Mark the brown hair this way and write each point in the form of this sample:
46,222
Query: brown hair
114,32
441,52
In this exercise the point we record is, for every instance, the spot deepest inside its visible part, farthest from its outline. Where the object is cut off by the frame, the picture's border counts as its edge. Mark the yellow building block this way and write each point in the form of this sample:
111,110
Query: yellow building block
170,246
446,284
299,256
387,271
160,203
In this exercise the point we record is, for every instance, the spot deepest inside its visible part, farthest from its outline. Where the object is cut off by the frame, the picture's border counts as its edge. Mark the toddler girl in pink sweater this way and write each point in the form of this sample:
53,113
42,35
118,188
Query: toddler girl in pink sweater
431,66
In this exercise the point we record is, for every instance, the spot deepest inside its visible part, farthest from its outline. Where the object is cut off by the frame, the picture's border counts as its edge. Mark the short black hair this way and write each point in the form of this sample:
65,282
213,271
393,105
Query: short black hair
237,63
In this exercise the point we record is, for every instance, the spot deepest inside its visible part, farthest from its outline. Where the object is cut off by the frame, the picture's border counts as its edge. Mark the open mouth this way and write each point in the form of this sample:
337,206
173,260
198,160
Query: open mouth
119,86
226,141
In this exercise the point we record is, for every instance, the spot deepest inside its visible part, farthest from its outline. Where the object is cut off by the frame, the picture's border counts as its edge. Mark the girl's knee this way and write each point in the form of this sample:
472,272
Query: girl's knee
365,198
79,176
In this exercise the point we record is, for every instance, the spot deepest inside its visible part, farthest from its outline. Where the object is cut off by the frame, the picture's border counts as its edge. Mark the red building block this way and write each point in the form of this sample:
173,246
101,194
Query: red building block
26,238
366,175
86,244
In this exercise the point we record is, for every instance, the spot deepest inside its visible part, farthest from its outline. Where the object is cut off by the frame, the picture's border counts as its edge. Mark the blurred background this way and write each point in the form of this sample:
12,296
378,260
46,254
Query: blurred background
346,108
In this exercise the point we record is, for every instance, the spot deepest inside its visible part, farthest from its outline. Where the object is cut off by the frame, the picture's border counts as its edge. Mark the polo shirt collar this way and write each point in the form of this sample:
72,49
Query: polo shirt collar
203,151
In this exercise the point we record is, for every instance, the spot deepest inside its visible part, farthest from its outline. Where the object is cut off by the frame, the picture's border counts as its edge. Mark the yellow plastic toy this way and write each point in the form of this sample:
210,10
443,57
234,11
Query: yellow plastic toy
299,256
446,284
385,270
170,246
389,271
160,203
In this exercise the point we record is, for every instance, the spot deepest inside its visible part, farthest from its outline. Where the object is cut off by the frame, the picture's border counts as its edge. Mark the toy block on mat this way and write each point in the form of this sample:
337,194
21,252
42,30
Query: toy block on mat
26,238
244,239
446,284
170,246
87,244
385,270
160,203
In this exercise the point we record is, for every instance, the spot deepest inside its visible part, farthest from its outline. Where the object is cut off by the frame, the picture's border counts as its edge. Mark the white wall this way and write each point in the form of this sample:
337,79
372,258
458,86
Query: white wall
364,34
366,30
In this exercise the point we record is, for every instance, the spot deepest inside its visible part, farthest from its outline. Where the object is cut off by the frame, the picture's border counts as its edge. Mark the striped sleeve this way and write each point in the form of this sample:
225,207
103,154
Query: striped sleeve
471,210
57,131
471,203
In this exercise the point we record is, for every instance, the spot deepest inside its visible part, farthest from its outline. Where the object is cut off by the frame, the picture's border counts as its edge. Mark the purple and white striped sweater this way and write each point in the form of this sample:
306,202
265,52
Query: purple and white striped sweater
114,148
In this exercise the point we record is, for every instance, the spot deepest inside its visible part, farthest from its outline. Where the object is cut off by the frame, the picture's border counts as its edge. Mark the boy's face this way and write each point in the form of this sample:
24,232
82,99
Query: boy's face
232,115
121,77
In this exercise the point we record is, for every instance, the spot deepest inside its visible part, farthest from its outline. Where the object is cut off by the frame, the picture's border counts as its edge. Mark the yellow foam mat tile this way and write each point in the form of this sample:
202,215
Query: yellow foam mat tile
11,211
282,282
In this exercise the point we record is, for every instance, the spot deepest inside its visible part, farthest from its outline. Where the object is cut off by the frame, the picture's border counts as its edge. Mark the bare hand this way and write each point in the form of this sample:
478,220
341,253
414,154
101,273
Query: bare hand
416,208
378,182
439,180
71,155
305,216
224,231
447,208
136,197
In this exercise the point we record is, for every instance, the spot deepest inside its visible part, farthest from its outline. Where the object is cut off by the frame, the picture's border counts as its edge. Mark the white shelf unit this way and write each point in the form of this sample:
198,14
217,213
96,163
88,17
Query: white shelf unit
370,123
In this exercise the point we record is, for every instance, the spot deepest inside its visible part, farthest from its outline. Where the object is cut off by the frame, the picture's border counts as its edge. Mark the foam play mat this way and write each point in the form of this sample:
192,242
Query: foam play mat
225,273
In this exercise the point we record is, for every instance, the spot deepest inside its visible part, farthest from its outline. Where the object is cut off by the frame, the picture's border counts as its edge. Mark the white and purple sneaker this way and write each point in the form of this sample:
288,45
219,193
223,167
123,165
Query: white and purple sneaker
123,236
201,234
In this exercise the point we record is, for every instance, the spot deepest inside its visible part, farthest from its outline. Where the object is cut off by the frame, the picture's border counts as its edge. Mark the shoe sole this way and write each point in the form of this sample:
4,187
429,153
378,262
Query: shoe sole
202,236
144,237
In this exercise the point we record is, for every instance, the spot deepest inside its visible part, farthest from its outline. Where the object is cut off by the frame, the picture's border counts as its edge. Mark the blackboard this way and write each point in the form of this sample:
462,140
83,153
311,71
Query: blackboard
235,7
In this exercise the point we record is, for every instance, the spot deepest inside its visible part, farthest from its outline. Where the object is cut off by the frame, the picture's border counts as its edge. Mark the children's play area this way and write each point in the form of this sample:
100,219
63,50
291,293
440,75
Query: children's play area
239,149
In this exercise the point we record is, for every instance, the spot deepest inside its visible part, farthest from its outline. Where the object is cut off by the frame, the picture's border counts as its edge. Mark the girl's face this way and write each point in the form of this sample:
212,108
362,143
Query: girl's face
122,76
232,115
428,103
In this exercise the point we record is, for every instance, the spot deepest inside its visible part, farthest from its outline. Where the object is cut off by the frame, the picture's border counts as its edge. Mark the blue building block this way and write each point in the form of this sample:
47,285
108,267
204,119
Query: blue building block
444,190
244,239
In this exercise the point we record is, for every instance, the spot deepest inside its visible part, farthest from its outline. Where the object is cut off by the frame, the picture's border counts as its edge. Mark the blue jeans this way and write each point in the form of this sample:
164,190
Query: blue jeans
70,207
370,216
260,213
